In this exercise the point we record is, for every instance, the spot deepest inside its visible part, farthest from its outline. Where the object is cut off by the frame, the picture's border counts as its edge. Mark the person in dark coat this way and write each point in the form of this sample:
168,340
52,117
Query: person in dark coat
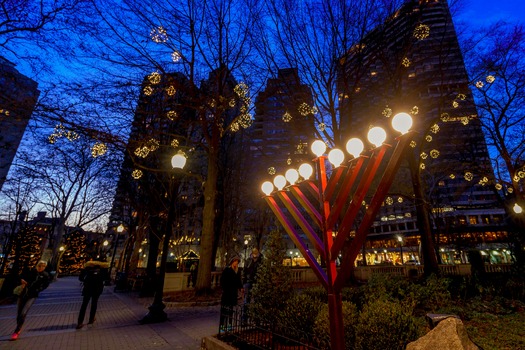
93,275
231,284
34,281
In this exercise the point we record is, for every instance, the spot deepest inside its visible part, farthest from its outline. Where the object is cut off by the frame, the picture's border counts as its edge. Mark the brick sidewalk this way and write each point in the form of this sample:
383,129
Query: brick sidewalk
51,322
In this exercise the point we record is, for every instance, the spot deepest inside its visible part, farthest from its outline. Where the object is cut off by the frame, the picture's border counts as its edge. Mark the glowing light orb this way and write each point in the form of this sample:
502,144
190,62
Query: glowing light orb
402,122
336,157
422,31
318,147
170,90
148,90
479,84
387,112
176,56
355,147
490,79
376,136
468,176
136,174
406,62
434,153
159,35
306,170
172,115
98,149
154,78
267,187
287,117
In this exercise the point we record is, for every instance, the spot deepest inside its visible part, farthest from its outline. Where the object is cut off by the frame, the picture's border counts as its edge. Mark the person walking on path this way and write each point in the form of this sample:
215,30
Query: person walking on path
93,276
33,282
231,284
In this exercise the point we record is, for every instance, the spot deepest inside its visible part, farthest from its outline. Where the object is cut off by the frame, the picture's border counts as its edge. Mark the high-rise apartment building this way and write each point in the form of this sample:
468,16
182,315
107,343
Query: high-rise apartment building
18,96
283,125
413,63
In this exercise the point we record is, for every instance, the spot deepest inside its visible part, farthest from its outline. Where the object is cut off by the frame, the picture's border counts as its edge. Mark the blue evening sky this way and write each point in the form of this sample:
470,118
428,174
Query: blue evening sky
480,12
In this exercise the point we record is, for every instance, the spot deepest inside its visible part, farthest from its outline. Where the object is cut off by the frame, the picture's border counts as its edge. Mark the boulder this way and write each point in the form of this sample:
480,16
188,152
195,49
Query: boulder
449,334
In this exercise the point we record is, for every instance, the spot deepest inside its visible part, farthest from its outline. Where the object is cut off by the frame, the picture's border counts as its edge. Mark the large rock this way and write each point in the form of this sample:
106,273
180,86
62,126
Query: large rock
449,334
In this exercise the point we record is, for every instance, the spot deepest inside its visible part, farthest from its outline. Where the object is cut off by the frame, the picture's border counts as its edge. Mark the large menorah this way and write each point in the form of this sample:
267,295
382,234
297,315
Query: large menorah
326,208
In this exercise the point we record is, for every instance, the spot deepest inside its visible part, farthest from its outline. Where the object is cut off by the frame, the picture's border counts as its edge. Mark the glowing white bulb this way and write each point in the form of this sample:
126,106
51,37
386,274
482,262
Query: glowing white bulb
267,187
402,122
336,157
355,146
178,161
517,209
306,170
292,176
318,147
279,181
376,136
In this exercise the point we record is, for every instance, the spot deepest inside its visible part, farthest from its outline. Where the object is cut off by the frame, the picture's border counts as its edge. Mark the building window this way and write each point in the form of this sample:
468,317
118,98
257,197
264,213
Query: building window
473,220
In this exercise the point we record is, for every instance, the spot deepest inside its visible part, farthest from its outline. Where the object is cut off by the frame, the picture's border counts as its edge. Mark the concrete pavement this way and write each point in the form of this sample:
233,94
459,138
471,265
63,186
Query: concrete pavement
51,322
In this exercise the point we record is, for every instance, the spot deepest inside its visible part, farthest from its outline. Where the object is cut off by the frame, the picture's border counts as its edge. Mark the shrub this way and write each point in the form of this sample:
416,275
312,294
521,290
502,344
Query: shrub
274,283
384,324
321,331
297,319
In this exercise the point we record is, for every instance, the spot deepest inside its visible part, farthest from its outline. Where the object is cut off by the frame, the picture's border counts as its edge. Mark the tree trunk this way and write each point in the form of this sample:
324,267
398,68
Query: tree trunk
208,225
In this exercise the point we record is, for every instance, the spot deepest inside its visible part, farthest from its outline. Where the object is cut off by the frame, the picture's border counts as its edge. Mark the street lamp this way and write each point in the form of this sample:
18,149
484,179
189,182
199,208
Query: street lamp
339,195
120,229
400,239
156,312
245,250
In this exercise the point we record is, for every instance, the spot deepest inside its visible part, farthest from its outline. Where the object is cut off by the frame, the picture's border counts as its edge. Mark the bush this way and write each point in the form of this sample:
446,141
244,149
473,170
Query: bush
321,331
384,324
297,319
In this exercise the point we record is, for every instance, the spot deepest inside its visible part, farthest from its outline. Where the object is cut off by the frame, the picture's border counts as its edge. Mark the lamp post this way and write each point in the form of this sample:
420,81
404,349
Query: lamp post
156,312
400,240
120,229
340,194
245,250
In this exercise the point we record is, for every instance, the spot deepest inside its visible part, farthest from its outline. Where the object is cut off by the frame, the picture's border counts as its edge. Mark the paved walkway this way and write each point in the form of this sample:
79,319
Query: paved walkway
51,322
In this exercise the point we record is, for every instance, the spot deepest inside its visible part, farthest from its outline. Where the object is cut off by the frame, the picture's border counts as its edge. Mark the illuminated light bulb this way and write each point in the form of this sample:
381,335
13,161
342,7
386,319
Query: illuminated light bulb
336,157
279,181
376,136
355,146
306,170
517,208
292,176
318,147
267,187
178,161
402,122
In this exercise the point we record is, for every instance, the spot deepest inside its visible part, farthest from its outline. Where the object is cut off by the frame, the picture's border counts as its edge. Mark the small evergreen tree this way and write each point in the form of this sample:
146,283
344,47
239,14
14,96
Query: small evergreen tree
274,282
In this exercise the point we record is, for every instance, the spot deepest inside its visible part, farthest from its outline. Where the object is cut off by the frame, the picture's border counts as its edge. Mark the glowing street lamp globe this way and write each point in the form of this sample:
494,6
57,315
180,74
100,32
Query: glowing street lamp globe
178,161
318,148
279,181
377,136
336,157
306,170
292,176
355,146
517,208
402,122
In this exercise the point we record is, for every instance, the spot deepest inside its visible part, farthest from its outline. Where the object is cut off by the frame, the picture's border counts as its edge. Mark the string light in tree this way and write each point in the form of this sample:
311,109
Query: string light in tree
400,199
413,144
462,97
389,201
136,174
479,84
422,166
232,103
148,90
490,79
304,109
469,176
415,110
434,153
498,186
406,62
241,89
234,127
287,117
154,78
176,56
289,161
387,112
153,144
159,35
464,120
434,128
452,176
422,31
271,170
170,90
510,190
174,143
321,126
423,155
428,138
142,151
484,181
445,117
98,149
172,115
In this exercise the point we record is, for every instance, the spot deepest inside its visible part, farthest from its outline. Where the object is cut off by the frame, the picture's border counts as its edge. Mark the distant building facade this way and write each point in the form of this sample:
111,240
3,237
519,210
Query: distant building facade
18,96
413,63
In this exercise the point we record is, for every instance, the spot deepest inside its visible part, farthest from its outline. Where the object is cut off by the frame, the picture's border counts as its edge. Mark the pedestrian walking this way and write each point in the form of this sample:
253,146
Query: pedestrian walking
231,284
32,282
93,276
193,274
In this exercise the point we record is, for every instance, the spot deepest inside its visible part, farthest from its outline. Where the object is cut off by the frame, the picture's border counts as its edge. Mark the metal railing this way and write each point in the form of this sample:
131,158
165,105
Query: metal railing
239,330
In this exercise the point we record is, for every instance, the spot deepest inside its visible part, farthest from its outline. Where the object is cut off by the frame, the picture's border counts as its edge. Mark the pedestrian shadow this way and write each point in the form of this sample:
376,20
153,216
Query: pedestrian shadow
53,328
